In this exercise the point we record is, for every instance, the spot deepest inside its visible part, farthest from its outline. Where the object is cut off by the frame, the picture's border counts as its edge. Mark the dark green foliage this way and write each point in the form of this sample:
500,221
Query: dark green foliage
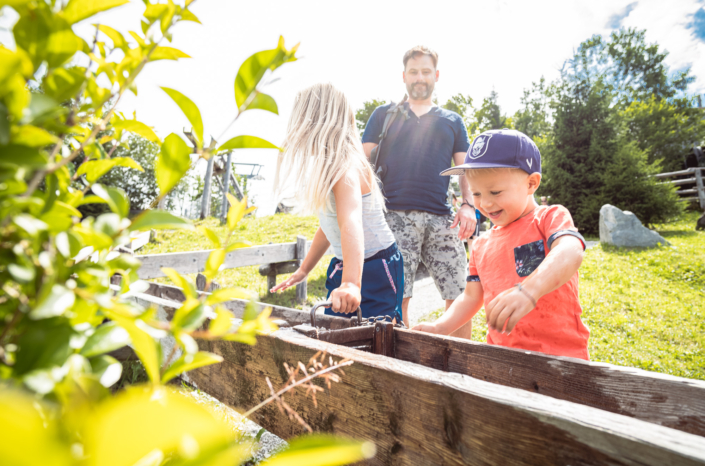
532,118
489,116
590,162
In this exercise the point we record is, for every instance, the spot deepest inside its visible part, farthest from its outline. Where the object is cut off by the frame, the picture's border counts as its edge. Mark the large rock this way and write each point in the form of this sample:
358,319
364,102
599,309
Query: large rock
622,228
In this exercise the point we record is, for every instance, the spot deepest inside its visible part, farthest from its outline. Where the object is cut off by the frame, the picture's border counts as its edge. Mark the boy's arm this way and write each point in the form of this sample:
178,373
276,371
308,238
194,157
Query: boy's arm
560,265
459,313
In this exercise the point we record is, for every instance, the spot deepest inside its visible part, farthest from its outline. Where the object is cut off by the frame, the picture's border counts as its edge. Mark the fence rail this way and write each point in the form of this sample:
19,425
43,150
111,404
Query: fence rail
697,180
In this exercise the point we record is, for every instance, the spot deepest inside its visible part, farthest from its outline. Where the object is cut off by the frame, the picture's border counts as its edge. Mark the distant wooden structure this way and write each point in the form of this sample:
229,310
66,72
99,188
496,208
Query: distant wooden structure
429,399
691,188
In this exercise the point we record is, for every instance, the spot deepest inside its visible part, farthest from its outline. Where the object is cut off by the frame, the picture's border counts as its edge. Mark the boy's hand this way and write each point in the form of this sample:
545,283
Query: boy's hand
508,308
425,327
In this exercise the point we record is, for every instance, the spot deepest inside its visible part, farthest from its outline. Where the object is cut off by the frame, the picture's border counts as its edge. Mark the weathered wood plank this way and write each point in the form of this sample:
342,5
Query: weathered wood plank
301,250
194,261
237,306
689,171
417,415
657,398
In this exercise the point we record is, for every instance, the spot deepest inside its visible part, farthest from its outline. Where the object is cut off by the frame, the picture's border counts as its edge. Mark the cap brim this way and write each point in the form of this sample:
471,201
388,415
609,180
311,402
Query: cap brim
460,169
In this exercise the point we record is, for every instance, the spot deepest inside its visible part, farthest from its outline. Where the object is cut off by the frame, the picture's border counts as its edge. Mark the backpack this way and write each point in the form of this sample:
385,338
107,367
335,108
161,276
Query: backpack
377,156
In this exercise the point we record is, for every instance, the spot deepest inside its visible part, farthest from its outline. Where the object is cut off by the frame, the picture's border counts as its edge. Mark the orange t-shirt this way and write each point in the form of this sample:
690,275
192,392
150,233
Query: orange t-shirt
507,255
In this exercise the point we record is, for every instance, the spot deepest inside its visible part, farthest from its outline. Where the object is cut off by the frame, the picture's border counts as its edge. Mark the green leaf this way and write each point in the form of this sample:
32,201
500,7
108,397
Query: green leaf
44,344
252,70
106,338
236,211
215,260
190,362
172,163
167,18
22,156
246,142
222,322
92,199
118,39
4,125
32,136
190,110
63,84
238,245
54,304
29,224
107,369
263,102
21,273
190,315
137,127
322,450
167,53
182,282
94,169
78,10
227,294
211,235
116,198
186,15
142,342
159,220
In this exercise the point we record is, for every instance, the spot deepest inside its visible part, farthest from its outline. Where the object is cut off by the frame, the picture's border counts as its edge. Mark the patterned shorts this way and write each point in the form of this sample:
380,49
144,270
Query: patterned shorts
428,237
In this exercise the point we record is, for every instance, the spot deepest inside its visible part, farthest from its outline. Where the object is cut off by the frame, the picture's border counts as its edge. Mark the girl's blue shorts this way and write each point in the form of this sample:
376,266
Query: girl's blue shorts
382,284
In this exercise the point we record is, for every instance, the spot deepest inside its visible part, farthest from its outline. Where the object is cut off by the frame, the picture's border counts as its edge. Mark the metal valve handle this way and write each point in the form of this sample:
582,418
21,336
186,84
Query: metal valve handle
328,304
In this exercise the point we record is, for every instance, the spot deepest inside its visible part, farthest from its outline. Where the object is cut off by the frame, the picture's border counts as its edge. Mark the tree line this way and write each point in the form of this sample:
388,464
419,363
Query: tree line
613,117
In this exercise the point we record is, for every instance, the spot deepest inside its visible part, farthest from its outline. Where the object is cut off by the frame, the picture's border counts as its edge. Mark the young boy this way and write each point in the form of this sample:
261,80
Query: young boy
525,269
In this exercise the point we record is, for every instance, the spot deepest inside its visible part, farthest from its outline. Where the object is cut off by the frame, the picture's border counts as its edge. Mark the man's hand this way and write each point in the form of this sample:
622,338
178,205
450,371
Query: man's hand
346,298
295,278
508,307
467,221
425,327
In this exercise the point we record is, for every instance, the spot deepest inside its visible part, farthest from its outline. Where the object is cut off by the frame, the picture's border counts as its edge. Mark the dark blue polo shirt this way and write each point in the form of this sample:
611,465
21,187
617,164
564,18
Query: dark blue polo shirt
422,149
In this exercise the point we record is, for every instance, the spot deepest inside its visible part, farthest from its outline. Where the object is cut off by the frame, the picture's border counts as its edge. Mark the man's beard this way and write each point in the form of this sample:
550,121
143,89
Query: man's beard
420,91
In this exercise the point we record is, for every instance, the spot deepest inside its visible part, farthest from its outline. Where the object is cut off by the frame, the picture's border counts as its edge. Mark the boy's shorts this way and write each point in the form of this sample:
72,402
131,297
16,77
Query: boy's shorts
429,238
382,284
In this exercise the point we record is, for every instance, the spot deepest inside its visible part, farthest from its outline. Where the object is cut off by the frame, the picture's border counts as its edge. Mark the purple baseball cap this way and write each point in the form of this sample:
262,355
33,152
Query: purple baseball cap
500,148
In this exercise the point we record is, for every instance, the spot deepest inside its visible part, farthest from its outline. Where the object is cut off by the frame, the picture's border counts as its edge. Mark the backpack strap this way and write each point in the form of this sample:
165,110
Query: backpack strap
393,111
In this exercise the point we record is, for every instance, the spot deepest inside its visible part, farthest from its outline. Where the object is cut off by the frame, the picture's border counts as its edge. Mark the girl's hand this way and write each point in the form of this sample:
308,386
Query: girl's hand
428,328
508,307
295,278
346,298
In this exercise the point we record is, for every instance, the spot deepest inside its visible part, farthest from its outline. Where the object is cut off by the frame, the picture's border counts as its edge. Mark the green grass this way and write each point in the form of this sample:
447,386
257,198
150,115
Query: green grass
645,307
280,228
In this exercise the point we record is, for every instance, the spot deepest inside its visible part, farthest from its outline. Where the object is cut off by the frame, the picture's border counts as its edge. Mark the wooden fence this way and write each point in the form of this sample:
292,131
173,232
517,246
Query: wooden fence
277,257
694,179
429,399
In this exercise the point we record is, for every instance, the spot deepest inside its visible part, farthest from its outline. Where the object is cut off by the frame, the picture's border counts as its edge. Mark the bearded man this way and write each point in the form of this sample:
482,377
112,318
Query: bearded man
418,146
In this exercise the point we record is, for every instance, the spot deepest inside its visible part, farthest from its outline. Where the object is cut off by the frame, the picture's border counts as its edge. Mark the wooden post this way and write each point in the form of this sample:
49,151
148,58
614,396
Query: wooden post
301,250
700,187
206,201
226,179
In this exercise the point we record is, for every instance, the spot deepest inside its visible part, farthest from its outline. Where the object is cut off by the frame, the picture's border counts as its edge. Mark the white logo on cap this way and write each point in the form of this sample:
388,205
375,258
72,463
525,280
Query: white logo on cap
530,162
480,145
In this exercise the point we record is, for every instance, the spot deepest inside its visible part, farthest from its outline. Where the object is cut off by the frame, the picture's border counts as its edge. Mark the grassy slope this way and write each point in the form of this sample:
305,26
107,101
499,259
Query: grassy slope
645,307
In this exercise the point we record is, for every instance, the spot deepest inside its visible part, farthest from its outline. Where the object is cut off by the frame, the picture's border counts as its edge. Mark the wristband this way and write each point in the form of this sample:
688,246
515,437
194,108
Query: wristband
469,205
526,293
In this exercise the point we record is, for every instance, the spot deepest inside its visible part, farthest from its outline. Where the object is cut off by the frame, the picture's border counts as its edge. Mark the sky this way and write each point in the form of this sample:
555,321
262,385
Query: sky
358,47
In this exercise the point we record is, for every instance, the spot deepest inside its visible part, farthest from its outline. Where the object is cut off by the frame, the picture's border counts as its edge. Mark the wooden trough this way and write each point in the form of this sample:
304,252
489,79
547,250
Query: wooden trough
426,399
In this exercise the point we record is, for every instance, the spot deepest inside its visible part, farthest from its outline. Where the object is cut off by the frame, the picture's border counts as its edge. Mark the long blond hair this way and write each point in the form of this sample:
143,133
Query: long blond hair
322,145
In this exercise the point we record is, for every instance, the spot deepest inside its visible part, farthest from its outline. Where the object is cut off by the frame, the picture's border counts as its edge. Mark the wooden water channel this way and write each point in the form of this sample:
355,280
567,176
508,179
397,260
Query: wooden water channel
426,399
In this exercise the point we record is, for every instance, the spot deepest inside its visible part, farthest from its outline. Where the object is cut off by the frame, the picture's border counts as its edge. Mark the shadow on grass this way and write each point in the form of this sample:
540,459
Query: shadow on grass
672,233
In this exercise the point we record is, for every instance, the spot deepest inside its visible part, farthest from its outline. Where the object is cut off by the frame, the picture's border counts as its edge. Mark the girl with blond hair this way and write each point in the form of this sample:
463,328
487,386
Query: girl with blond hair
323,155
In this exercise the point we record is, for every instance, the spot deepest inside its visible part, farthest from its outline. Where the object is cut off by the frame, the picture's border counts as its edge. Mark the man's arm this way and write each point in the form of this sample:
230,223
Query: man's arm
466,215
560,265
459,313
